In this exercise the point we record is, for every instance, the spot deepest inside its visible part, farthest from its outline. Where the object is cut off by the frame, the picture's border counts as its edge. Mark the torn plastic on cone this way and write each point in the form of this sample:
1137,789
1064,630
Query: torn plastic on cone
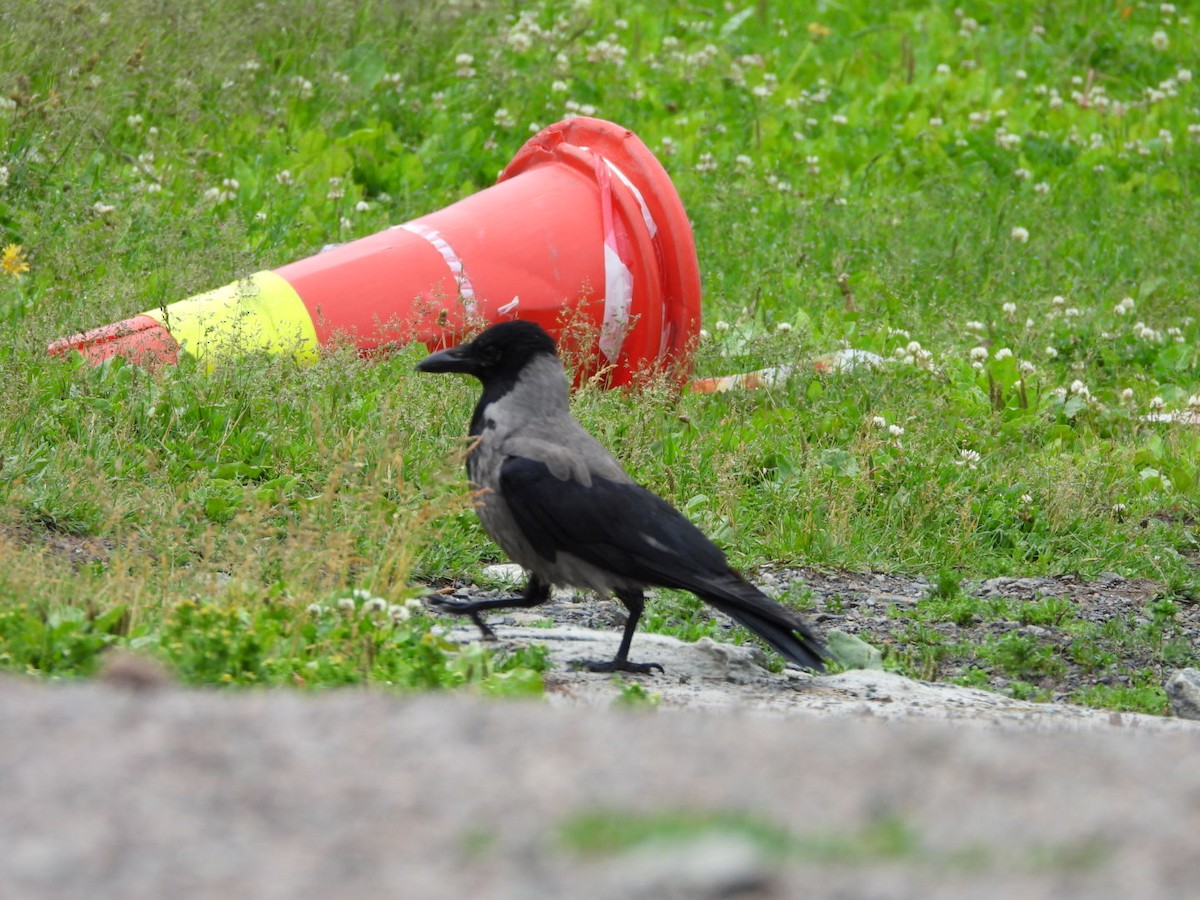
582,233
844,360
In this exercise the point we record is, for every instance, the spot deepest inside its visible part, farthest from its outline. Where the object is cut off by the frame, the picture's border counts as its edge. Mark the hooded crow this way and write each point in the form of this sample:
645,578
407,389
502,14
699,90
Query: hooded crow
561,506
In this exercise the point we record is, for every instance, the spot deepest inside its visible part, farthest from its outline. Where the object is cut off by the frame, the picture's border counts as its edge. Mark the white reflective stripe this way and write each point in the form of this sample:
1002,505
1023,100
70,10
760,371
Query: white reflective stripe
650,226
453,262
618,297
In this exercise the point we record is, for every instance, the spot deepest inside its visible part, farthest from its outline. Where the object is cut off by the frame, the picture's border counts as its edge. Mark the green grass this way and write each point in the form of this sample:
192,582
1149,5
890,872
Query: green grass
607,833
152,153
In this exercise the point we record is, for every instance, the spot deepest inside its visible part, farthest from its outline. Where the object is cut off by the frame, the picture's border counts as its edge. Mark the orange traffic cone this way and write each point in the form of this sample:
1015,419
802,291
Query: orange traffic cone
583,227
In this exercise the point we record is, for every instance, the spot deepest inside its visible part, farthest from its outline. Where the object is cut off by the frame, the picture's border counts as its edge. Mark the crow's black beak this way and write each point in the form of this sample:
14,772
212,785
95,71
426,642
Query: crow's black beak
455,359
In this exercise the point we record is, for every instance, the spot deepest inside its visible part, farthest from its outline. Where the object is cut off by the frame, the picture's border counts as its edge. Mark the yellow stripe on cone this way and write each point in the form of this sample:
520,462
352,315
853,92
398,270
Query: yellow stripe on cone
262,312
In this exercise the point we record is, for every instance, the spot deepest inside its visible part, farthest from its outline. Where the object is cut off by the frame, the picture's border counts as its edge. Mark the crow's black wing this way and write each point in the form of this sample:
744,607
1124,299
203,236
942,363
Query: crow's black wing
621,527
617,526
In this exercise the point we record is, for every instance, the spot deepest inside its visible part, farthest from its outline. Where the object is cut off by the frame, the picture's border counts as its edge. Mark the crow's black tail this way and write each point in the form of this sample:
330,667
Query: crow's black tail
776,624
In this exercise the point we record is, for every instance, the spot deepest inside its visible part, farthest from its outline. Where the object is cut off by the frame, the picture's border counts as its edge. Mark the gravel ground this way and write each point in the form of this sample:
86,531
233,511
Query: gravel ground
879,608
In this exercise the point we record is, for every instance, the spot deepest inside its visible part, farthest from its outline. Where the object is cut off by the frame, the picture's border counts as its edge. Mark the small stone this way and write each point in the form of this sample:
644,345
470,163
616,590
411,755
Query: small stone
133,671
1183,690
714,865
509,572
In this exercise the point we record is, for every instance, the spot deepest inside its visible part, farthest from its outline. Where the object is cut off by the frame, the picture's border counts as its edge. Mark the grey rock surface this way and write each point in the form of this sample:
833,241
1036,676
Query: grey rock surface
130,789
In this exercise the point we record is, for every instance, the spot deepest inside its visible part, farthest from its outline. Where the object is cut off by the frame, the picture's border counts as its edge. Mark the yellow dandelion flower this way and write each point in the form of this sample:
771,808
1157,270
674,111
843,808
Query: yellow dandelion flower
817,31
12,261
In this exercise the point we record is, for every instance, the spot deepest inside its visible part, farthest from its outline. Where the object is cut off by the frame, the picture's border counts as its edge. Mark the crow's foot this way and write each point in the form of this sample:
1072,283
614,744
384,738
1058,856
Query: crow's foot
623,665
468,608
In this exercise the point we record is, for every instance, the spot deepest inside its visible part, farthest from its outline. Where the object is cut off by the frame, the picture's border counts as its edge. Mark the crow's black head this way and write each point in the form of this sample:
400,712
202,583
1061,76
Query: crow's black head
496,355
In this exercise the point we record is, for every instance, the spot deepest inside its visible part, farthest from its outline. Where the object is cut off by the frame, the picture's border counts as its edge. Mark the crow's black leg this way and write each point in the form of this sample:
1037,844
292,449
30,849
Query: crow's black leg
635,602
536,593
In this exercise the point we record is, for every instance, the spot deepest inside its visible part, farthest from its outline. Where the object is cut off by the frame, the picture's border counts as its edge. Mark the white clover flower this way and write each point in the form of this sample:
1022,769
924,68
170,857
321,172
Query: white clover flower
1183,76
1125,307
1058,300
1193,401
1009,309
1019,234
1051,352
783,326
1027,499
1072,312
839,120
315,609
1159,41
978,353
913,347
968,458
1025,367
399,613
106,209
721,325
879,421
1079,389
935,122
943,69
374,604
1157,403
1118,509
345,603
502,118
1042,187
134,121
1003,353
1127,395
972,325
895,430
362,206
1022,173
